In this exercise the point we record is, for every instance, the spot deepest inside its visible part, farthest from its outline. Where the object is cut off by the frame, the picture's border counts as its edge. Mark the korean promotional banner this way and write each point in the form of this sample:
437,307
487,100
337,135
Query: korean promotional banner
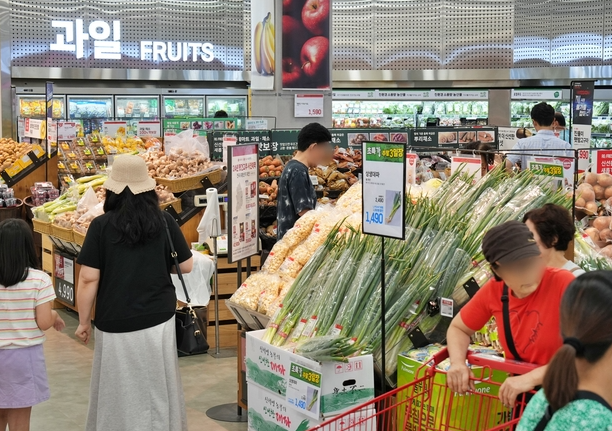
306,44
263,51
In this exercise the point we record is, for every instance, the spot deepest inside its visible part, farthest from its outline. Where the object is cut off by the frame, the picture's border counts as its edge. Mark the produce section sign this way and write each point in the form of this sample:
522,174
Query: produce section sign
507,137
558,168
604,162
34,129
308,105
263,40
66,131
243,198
284,142
536,94
306,47
114,128
384,189
149,129
453,138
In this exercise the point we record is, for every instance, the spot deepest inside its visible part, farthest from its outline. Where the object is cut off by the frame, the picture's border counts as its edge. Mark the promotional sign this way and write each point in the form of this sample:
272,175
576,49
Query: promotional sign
508,136
306,46
34,128
303,390
537,94
64,279
50,126
114,128
604,162
243,167
558,168
308,105
149,129
582,117
66,130
383,194
228,140
263,52
433,137
468,165
256,124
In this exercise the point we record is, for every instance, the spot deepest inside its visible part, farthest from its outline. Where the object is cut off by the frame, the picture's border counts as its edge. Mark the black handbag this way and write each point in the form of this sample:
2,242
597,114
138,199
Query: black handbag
190,322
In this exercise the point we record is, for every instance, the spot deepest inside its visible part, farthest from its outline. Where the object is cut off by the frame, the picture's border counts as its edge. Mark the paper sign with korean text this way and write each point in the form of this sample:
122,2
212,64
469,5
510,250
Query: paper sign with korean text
384,189
149,129
114,128
559,168
581,138
309,105
304,390
604,162
469,166
66,130
34,129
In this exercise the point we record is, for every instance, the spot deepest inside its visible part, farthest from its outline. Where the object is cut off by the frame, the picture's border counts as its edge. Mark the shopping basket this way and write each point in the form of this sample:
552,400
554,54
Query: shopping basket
425,404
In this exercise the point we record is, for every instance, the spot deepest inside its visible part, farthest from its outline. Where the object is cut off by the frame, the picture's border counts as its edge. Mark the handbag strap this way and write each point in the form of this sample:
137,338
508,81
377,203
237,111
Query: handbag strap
176,262
505,299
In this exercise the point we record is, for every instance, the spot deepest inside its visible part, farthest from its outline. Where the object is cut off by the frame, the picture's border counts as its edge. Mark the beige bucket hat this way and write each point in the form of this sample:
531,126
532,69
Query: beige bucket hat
129,171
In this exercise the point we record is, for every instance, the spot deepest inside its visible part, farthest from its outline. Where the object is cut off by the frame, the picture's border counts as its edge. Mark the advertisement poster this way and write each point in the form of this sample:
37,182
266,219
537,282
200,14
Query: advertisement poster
383,195
243,232
306,44
263,51
582,117
604,162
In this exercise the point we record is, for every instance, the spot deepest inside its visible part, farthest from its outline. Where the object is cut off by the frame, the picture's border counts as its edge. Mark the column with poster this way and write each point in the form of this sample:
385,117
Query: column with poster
582,117
51,130
263,52
243,201
306,44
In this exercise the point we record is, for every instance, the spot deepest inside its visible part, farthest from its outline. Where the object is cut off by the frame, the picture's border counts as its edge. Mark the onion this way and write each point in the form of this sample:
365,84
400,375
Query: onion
607,251
591,207
587,195
608,192
606,235
592,233
605,180
591,178
599,192
601,223
585,186
580,203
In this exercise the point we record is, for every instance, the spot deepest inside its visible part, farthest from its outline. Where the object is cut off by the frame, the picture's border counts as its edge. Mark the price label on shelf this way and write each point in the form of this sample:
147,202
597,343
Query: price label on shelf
64,279
557,168
149,129
308,105
304,390
114,128
384,188
66,131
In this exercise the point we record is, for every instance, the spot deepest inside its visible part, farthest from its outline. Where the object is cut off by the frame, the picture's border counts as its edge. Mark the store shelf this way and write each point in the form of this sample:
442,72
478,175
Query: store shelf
36,163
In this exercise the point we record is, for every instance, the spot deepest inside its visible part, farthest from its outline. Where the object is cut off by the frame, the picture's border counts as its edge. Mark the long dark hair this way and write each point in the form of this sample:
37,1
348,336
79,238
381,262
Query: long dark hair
138,218
17,252
586,317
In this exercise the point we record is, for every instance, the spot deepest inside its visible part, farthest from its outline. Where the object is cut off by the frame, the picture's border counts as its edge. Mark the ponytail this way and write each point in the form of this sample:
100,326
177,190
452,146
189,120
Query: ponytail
561,379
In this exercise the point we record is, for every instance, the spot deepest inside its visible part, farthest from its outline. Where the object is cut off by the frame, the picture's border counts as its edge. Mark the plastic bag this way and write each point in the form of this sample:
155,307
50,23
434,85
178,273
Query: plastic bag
187,143
88,201
82,224
276,257
269,294
249,292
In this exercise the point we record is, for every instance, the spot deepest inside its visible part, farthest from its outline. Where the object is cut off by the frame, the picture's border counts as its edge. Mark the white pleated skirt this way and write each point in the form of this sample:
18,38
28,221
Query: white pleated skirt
136,383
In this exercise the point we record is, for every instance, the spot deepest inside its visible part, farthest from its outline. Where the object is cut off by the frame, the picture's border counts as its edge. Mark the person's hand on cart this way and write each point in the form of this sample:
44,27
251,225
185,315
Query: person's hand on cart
515,386
460,378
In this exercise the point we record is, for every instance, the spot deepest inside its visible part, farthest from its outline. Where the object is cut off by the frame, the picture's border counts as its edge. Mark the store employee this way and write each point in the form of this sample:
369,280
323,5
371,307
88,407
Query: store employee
296,193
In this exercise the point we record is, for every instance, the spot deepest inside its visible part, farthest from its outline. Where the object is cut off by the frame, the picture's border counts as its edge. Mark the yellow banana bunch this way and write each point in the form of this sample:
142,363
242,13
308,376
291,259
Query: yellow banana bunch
263,46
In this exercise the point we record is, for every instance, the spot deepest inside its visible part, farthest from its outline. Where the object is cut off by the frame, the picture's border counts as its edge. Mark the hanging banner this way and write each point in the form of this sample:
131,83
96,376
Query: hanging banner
582,117
263,51
383,195
306,45
51,130
243,196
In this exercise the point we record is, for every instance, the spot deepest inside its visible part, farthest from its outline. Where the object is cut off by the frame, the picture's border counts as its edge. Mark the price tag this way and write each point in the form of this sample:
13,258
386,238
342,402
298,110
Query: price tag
308,105
149,129
51,130
384,167
64,279
558,168
66,131
411,161
446,307
256,124
34,129
304,390
314,180
469,165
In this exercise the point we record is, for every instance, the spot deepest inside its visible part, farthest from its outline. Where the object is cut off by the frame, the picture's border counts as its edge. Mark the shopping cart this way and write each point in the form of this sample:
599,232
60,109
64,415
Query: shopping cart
426,404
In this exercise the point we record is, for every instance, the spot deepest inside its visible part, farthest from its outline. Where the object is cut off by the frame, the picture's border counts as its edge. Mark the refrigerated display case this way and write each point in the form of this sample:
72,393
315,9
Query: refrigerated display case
408,108
88,107
184,107
127,107
33,106
234,106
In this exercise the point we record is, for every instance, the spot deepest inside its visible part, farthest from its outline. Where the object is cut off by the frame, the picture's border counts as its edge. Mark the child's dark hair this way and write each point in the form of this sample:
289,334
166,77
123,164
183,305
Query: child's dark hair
313,133
585,324
17,252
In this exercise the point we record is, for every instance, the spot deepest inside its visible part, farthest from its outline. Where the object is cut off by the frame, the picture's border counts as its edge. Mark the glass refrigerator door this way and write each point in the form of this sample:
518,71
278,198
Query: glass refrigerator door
235,106
137,107
184,107
83,107
34,107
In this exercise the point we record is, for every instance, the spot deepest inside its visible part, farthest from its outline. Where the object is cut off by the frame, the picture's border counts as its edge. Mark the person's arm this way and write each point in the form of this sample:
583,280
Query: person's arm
458,339
186,266
46,317
183,252
514,386
89,280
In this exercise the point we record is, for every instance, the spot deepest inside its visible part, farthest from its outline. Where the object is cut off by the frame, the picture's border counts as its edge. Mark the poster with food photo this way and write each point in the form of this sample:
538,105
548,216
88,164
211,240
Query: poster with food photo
263,51
306,48
445,138
379,137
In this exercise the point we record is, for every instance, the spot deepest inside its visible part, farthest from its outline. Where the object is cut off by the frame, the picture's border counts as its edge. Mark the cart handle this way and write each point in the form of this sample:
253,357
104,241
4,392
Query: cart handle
506,365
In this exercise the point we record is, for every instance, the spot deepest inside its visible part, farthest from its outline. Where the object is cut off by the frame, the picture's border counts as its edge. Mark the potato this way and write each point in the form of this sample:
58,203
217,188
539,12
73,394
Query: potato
607,251
606,235
601,223
580,203
605,180
599,192
586,194
591,178
593,234
591,207
608,192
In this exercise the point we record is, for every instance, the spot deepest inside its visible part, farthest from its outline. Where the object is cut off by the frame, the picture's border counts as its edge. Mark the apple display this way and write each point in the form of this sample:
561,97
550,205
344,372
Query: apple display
292,73
315,16
294,36
315,60
293,7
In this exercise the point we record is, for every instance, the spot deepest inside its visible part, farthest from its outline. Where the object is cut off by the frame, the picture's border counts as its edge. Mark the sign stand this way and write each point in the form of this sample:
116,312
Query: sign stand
383,211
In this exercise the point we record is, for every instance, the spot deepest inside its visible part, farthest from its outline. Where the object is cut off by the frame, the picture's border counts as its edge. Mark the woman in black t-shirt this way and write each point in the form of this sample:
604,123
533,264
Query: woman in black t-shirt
125,267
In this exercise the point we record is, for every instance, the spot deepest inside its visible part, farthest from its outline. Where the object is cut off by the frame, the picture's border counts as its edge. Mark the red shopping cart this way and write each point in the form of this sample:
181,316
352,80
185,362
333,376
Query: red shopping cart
426,404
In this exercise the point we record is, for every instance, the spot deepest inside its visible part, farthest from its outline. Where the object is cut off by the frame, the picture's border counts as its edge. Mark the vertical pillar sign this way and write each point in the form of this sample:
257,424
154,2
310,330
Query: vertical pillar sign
51,131
384,189
243,197
263,52
582,117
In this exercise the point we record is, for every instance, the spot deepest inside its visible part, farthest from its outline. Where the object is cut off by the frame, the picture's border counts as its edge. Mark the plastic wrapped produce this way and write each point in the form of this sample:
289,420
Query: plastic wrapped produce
269,294
249,292
302,228
276,257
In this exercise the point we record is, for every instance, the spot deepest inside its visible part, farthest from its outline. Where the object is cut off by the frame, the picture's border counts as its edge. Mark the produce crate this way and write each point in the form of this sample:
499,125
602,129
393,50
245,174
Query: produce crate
62,233
176,204
247,318
42,227
215,176
79,238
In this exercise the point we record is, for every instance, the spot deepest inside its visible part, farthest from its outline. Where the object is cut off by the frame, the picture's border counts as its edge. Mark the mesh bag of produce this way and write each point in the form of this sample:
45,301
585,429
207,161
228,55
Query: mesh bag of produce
302,228
249,292
269,293
276,257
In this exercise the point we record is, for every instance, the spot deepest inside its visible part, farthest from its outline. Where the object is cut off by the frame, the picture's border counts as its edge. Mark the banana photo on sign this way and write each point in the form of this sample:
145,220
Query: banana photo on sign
263,40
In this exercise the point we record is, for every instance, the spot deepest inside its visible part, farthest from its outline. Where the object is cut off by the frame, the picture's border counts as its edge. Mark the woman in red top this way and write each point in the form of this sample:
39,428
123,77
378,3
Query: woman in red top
534,295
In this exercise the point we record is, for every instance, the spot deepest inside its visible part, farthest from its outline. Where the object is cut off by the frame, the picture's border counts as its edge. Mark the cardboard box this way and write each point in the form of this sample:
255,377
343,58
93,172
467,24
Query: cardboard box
466,412
315,389
270,412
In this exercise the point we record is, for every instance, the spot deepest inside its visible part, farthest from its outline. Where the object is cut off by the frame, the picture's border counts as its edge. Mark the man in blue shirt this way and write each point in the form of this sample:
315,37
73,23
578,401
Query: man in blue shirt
544,142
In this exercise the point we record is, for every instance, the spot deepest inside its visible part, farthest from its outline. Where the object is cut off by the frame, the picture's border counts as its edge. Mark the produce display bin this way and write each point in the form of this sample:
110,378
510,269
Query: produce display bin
248,318
176,204
41,227
62,233
78,237
215,176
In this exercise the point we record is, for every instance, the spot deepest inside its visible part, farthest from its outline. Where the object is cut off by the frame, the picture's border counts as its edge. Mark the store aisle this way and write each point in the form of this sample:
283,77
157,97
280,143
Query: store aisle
207,382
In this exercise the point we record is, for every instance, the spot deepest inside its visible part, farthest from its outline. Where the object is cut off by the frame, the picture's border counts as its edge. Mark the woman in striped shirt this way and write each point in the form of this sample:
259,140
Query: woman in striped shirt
26,295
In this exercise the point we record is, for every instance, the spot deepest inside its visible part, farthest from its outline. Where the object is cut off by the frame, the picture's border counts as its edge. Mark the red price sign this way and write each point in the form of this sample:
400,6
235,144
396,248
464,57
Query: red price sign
308,105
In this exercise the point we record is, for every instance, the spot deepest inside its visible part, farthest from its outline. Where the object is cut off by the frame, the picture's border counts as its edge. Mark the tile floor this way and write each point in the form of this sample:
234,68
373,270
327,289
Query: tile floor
207,382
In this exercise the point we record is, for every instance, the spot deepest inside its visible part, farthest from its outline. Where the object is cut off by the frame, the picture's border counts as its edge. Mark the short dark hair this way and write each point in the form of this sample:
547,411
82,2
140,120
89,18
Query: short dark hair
543,114
560,119
554,225
313,133
137,218
221,114
17,253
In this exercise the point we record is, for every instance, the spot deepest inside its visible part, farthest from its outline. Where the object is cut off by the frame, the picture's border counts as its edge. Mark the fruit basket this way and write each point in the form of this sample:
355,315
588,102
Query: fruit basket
42,227
62,233
78,237
215,176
